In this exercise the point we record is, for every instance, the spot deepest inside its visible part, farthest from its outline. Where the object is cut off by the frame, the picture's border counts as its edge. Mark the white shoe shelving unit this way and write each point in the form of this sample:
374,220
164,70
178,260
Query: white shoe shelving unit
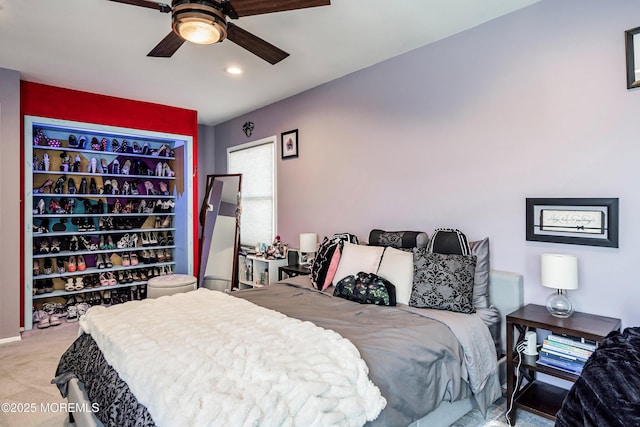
143,190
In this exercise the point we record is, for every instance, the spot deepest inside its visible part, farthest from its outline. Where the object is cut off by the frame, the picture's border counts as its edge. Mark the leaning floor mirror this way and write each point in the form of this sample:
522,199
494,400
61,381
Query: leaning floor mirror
220,220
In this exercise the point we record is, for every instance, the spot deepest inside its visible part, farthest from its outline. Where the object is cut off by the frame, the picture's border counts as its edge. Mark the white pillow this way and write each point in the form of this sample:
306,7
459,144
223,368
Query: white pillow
397,267
357,258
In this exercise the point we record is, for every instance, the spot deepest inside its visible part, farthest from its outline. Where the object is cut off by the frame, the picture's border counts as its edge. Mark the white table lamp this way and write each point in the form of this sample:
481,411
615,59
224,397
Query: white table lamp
308,246
560,272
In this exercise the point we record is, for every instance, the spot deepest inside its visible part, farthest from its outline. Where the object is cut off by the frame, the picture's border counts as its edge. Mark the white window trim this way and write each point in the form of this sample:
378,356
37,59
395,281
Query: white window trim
268,140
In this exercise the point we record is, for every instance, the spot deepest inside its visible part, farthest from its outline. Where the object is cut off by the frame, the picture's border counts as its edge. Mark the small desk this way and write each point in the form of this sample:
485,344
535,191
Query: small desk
293,270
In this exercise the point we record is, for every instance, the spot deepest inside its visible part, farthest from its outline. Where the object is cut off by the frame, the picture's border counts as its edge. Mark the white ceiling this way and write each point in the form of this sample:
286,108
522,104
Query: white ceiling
100,46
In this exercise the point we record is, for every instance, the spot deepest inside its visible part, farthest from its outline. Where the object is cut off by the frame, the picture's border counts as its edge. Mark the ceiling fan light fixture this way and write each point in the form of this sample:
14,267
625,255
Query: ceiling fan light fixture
199,22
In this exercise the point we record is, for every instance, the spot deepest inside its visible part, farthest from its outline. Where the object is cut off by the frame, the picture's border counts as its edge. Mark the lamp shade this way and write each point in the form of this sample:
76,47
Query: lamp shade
308,242
559,271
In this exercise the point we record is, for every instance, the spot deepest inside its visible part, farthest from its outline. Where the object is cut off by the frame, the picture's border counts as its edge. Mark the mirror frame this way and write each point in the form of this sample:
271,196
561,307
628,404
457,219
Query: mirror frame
203,223
632,60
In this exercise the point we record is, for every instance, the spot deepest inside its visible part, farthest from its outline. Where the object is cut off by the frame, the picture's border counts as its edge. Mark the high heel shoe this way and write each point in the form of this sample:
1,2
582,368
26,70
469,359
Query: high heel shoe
48,268
81,265
103,144
83,186
133,258
164,189
44,246
93,188
159,169
79,284
110,244
100,262
60,265
71,264
166,170
40,209
115,167
126,261
126,168
47,184
145,238
117,207
141,206
166,223
104,168
45,161
59,188
36,267
100,207
69,286
71,186
107,261
103,279
111,278
148,185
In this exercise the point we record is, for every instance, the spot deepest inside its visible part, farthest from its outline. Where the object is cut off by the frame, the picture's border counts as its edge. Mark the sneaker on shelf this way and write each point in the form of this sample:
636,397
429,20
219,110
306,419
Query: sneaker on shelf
54,320
44,320
72,313
82,308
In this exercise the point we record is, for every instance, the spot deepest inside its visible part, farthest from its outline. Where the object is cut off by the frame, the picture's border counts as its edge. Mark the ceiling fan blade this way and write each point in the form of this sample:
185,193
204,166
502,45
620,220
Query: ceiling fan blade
167,47
258,7
164,8
255,44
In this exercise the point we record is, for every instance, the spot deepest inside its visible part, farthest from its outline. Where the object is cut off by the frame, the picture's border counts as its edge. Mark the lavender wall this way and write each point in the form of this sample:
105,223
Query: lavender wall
460,132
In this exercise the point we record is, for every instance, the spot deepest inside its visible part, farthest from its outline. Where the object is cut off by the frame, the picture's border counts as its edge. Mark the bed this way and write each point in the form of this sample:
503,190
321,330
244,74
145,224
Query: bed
400,379
607,393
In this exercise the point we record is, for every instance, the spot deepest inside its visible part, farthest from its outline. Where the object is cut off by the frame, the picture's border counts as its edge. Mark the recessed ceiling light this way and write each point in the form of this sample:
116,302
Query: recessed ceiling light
233,70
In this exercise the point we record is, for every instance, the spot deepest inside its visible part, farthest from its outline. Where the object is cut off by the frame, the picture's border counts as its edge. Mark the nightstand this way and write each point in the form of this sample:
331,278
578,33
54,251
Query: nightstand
535,396
293,270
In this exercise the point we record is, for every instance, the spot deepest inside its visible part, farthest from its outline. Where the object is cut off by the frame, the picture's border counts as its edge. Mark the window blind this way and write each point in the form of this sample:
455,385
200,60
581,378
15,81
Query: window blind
256,162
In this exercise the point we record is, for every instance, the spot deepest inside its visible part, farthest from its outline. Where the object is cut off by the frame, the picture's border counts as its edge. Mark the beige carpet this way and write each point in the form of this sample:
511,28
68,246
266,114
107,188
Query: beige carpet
27,367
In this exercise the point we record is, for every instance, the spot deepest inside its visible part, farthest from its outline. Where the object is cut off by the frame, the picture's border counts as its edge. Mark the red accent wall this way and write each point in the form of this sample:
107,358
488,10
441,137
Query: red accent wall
66,104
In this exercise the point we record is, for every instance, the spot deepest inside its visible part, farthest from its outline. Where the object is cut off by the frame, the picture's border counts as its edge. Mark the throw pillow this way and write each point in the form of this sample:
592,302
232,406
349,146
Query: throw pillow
322,261
366,288
448,241
357,258
333,267
397,267
480,249
443,282
398,239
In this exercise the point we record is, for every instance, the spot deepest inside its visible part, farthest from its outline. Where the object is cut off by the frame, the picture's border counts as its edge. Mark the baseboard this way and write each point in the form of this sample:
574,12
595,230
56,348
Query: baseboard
10,339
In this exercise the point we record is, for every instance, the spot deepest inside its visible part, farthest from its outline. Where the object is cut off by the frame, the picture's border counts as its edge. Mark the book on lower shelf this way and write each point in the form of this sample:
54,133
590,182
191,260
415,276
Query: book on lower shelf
569,366
565,353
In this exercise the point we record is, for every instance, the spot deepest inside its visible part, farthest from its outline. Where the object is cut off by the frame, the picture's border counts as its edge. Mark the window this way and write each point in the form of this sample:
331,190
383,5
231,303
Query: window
256,162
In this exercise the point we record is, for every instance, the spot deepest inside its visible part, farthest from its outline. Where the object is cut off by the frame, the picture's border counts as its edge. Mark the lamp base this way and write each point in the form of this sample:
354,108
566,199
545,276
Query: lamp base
559,304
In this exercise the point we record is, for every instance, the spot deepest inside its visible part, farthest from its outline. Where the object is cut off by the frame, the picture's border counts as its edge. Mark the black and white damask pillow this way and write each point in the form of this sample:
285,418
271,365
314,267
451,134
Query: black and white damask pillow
443,282
398,239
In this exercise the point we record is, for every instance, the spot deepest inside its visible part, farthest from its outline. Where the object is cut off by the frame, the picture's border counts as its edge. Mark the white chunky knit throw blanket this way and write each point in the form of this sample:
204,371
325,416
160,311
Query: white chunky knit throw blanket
205,358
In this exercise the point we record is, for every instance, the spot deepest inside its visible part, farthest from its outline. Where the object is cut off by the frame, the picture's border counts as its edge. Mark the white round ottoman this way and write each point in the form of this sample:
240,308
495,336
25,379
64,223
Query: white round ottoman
170,284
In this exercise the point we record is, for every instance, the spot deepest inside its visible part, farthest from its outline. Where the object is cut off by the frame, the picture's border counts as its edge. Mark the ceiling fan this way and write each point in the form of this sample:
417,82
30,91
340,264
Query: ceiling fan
205,22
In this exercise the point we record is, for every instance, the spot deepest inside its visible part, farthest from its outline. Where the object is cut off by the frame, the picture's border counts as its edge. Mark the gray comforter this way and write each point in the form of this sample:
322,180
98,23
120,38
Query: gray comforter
417,362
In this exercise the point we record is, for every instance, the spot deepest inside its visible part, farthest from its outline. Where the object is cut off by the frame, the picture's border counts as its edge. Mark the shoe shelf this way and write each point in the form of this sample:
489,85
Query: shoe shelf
102,232
96,153
88,182
83,215
62,293
67,254
94,270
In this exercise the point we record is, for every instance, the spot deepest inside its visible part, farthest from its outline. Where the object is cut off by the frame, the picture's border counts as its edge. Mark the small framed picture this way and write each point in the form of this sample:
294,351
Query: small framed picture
289,144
